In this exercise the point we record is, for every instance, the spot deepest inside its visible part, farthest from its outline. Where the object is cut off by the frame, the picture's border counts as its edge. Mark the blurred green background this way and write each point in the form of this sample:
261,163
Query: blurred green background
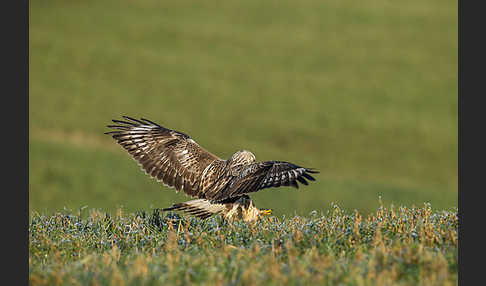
364,91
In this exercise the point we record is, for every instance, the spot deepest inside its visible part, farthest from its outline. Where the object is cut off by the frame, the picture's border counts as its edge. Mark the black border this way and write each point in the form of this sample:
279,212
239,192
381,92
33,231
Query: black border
471,78
15,180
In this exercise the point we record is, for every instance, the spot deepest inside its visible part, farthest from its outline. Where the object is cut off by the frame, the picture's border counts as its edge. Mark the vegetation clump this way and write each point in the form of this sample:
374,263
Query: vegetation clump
392,246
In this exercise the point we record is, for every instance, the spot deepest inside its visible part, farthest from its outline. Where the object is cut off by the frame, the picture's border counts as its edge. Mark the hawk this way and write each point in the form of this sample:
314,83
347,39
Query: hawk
219,186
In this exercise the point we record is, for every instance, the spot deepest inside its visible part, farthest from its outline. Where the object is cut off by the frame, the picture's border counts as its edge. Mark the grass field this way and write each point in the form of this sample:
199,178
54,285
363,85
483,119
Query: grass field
364,92
391,246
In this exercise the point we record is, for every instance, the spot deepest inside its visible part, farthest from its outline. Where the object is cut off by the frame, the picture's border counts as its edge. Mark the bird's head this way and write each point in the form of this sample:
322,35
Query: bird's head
242,157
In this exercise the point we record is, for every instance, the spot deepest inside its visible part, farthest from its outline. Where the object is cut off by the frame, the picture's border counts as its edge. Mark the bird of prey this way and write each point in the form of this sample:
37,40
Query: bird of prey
219,186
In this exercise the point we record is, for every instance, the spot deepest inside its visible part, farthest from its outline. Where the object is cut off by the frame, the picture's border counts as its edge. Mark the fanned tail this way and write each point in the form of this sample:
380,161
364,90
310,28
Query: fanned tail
200,208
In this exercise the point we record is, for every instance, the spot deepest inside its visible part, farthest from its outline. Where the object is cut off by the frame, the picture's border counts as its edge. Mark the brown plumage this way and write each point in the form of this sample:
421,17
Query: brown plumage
220,186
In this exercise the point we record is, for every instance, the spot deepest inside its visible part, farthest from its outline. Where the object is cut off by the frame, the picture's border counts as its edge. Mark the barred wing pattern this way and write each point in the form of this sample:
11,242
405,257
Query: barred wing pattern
200,208
168,156
258,176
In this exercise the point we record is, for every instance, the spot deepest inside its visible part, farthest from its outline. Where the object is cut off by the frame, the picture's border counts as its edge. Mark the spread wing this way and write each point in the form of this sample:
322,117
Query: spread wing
261,175
168,156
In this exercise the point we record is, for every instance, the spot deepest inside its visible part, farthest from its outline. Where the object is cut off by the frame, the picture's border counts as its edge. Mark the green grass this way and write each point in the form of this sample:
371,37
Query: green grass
391,246
364,92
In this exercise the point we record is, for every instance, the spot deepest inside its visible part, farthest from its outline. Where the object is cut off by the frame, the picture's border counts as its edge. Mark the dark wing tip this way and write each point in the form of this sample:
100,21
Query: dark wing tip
132,121
130,118
119,127
150,122
125,122
309,177
302,180
129,123
311,170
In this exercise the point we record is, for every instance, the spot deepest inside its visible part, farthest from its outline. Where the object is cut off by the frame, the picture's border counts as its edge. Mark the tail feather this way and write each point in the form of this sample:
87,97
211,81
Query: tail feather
200,208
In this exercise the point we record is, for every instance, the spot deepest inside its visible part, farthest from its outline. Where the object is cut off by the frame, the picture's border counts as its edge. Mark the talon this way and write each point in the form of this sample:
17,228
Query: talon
266,212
